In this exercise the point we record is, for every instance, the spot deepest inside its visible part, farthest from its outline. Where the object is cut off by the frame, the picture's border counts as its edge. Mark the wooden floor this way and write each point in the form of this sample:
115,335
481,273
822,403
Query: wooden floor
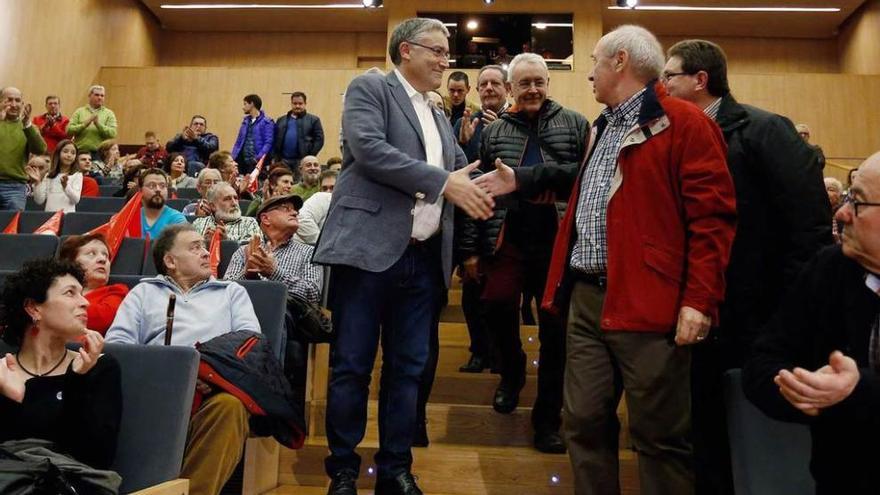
473,451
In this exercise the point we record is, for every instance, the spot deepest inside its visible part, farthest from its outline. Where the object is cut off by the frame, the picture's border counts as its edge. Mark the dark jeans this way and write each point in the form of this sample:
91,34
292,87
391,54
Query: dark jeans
400,301
430,370
475,316
13,195
509,274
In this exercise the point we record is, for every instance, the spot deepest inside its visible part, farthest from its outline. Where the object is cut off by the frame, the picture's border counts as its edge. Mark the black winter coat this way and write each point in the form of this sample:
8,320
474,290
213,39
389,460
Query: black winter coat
784,218
563,131
309,134
804,332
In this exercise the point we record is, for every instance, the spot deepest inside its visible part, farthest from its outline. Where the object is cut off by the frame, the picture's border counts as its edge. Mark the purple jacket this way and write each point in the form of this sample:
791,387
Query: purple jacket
264,130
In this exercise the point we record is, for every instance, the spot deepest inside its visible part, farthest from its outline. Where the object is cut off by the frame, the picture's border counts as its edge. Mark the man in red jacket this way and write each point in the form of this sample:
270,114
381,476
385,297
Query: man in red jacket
52,125
639,263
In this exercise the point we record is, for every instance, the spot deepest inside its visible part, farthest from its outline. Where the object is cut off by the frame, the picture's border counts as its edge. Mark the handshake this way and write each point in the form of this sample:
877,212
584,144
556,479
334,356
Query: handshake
476,197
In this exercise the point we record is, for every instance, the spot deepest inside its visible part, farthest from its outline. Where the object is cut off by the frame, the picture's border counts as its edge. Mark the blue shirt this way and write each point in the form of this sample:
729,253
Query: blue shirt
169,216
291,140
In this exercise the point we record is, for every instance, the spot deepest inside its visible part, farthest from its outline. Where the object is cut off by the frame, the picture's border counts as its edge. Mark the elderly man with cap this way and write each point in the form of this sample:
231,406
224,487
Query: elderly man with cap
277,256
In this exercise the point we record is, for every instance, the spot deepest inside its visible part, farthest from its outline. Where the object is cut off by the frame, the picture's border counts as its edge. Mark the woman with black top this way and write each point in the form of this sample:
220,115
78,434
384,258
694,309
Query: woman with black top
71,398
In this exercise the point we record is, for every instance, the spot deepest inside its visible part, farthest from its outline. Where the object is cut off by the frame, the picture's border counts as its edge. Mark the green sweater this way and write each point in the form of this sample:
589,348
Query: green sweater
304,192
88,137
16,144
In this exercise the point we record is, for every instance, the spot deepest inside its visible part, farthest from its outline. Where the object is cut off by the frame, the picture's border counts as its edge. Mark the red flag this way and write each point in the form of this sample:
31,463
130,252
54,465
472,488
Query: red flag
52,225
125,223
12,228
253,183
214,249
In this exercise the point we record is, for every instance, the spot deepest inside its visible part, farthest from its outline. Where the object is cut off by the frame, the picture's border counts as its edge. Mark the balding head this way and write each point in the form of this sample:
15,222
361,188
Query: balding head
861,216
11,102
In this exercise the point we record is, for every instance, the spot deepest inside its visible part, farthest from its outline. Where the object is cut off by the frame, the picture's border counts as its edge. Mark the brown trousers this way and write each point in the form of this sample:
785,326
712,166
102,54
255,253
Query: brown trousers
217,432
655,374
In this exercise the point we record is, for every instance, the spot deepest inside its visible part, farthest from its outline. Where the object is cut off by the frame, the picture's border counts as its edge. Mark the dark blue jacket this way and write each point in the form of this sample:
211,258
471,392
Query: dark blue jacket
264,135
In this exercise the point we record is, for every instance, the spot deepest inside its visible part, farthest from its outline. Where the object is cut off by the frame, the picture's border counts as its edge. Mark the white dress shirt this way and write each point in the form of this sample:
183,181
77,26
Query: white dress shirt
426,216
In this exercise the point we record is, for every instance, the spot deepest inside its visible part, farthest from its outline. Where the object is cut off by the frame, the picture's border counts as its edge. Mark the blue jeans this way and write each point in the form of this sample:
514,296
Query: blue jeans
13,195
401,301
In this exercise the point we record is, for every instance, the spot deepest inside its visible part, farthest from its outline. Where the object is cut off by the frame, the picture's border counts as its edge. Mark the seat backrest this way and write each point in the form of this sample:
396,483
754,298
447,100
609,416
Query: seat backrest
270,304
128,279
227,250
31,204
31,220
18,248
178,204
130,257
244,204
188,193
107,191
158,384
768,456
80,222
100,204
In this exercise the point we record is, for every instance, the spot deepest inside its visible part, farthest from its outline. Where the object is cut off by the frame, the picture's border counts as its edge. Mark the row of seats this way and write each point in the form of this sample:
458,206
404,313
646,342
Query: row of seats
133,258
77,222
107,204
110,190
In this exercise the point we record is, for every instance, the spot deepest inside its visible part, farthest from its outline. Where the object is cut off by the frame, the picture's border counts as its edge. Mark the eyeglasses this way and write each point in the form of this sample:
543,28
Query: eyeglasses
857,204
667,76
436,50
156,185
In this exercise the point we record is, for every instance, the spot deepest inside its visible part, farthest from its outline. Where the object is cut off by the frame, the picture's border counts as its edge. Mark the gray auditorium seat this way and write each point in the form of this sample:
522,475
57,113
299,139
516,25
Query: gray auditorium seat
227,249
768,456
18,248
28,221
270,304
100,204
107,191
80,223
130,258
178,204
158,383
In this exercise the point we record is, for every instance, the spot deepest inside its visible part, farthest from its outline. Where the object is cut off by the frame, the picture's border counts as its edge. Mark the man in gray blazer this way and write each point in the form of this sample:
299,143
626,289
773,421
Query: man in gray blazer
388,237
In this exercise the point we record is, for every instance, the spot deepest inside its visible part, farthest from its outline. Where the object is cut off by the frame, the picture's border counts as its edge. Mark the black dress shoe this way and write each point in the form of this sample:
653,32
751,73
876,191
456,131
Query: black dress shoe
476,364
402,484
420,438
343,483
506,397
549,442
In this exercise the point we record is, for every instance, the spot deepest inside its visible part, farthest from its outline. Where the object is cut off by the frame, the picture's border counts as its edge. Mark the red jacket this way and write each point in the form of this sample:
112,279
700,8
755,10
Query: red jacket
52,134
670,220
90,188
103,303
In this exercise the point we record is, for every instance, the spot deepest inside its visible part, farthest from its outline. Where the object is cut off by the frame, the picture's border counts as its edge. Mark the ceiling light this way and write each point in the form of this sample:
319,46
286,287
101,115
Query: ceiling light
372,4
627,4
230,6
539,25
683,8
472,24
488,2
545,25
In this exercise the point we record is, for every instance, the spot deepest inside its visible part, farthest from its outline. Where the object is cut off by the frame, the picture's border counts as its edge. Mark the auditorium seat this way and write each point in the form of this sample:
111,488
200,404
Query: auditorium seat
270,304
100,204
149,268
18,248
178,204
244,204
158,384
128,279
227,249
27,222
130,258
80,223
188,193
107,191
768,456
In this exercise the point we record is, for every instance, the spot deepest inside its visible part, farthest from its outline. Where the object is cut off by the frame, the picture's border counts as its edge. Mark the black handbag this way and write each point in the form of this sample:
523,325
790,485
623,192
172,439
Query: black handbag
309,322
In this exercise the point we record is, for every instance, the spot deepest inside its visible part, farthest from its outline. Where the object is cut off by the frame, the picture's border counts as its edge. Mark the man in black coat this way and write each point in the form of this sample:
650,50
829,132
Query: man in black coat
784,218
810,365
292,143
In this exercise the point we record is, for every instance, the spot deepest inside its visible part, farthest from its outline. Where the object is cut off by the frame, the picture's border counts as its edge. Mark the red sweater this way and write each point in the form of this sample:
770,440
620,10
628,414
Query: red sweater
90,188
103,303
52,134
671,219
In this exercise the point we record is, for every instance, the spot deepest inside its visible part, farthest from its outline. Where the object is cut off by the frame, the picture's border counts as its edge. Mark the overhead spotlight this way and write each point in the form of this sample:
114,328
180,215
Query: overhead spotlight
629,4
540,25
488,2
472,24
372,4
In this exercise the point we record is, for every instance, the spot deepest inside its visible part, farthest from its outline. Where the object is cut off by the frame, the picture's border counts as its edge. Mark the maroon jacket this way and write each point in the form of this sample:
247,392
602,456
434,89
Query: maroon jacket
670,220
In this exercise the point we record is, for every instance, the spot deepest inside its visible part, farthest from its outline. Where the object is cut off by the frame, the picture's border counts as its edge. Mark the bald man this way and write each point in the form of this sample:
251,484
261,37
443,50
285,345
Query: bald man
19,139
310,177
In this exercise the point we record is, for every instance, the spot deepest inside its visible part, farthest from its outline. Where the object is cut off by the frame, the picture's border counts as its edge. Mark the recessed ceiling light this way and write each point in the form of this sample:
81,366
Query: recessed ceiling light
683,8
472,24
229,6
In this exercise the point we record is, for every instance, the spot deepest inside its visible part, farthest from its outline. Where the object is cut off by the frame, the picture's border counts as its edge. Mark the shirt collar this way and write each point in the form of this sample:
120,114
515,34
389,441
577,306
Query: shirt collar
712,109
197,284
873,283
626,111
410,91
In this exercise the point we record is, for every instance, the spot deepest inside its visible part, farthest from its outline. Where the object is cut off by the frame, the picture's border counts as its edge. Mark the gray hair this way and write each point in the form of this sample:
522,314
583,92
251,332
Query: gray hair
205,171
497,67
645,52
410,30
95,87
216,190
831,181
526,58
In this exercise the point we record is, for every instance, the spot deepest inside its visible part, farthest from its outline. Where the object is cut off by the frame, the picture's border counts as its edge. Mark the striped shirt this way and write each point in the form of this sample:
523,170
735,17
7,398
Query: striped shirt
293,268
241,231
712,109
590,253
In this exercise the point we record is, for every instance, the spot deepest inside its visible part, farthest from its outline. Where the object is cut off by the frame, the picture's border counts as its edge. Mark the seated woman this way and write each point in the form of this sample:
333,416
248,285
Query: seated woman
91,254
109,164
62,186
175,167
71,398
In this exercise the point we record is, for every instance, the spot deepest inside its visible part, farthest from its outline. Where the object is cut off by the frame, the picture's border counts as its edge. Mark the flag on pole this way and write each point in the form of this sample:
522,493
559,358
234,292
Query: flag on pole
125,223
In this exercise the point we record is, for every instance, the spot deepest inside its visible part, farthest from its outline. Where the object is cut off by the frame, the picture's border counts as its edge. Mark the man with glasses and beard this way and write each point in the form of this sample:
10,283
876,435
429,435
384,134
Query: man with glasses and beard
227,216
155,214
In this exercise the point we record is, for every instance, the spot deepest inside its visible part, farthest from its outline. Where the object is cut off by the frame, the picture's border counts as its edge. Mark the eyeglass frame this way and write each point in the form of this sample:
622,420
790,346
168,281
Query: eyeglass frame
436,50
849,199
666,77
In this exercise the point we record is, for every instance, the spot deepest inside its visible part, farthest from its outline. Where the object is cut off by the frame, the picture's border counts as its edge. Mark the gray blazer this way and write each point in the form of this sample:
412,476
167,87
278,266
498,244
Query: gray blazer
383,173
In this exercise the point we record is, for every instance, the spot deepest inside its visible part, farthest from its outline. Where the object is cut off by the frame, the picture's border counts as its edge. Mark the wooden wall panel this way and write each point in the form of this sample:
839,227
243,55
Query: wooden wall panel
773,55
58,47
860,41
163,99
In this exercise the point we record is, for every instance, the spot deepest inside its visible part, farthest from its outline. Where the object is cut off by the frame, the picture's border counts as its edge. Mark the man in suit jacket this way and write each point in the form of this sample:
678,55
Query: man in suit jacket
813,365
388,237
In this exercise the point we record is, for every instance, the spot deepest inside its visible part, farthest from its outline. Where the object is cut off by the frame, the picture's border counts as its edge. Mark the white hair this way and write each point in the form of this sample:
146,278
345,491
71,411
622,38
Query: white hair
645,52
96,87
831,181
216,190
525,58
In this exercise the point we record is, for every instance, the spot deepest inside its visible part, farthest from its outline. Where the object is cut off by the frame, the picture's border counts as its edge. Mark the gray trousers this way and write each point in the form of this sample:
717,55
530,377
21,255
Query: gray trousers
654,373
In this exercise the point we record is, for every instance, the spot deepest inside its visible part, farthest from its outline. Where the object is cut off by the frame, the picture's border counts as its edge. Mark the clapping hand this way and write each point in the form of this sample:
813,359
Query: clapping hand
468,127
26,115
34,176
260,261
11,382
64,179
489,116
92,345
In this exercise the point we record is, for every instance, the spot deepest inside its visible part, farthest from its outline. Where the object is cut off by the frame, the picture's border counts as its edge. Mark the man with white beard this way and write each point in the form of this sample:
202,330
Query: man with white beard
227,216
